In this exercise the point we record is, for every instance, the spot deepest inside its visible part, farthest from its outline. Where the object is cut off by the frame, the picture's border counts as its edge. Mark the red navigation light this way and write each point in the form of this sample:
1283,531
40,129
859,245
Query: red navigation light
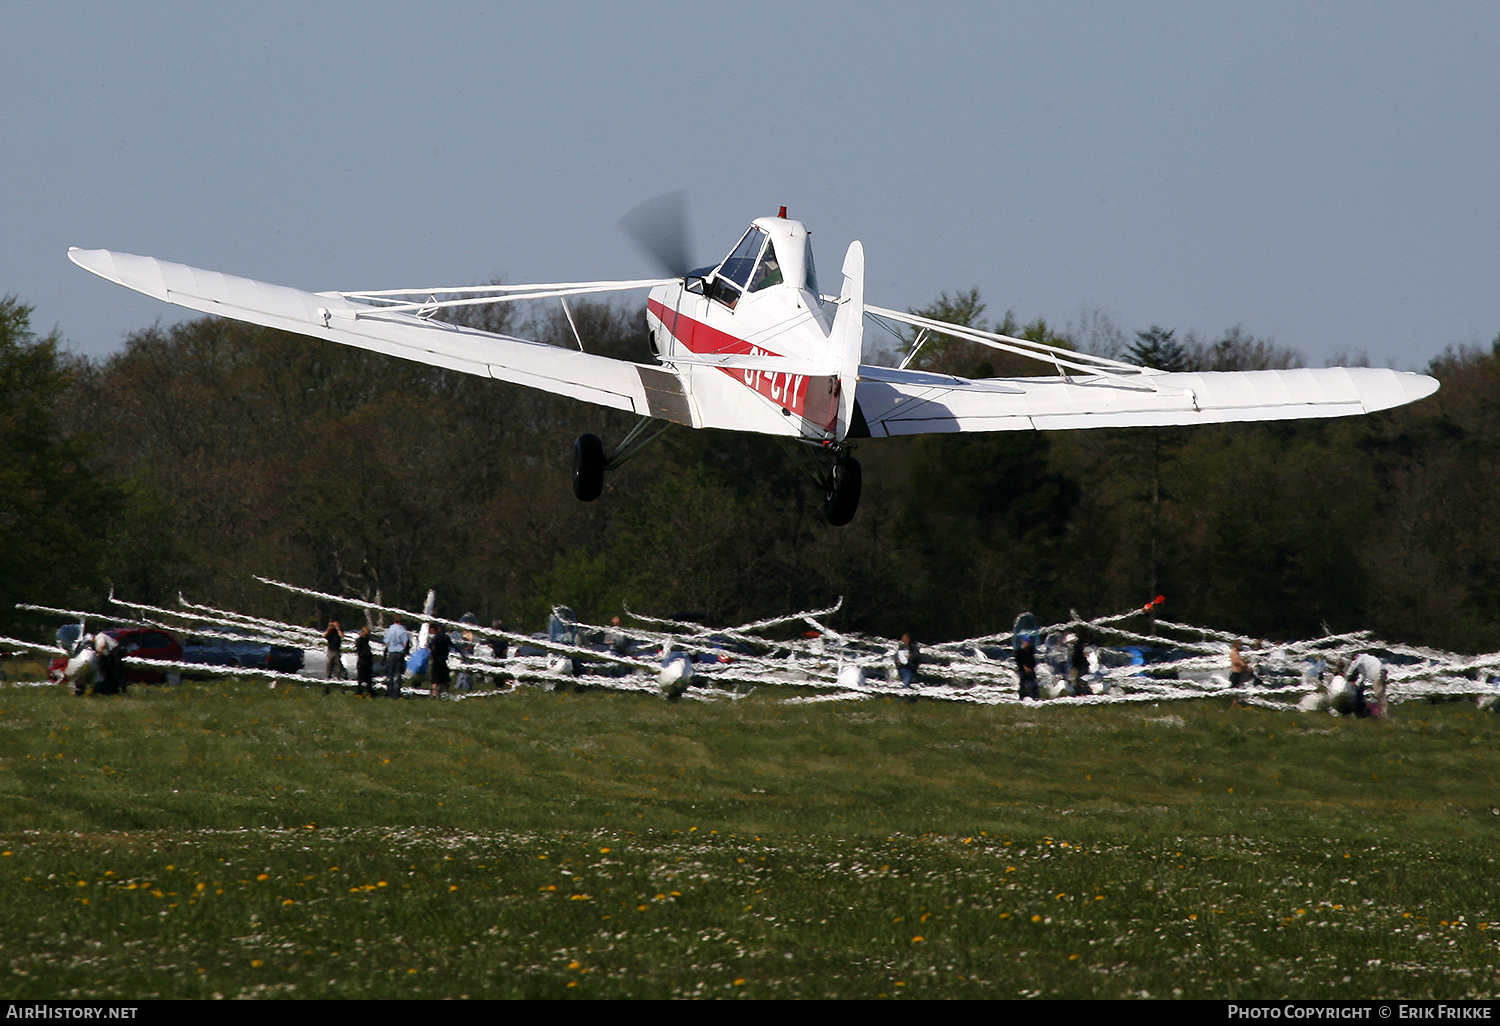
782,214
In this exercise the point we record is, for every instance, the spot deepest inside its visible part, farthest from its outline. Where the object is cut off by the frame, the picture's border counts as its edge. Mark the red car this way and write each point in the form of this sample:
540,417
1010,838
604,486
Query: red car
134,642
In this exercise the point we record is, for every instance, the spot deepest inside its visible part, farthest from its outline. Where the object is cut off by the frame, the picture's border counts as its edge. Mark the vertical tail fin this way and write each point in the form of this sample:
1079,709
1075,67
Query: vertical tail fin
847,339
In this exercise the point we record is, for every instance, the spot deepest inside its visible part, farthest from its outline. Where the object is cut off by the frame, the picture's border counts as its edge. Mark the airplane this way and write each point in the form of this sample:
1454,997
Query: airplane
753,344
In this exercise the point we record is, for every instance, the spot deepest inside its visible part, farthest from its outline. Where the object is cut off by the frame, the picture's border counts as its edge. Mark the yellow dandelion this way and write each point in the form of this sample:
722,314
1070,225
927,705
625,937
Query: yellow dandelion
1036,919
256,963
287,902
740,982
263,876
575,965
918,940
603,851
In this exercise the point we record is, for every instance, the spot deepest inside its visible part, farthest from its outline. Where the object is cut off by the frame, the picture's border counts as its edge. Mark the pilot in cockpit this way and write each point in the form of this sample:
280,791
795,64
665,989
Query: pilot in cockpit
768,273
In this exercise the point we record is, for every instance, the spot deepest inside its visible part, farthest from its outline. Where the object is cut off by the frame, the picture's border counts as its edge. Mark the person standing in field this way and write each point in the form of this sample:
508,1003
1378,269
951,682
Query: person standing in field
439,645
333,642
908,656
1078,666
364,664
397,638
1026,669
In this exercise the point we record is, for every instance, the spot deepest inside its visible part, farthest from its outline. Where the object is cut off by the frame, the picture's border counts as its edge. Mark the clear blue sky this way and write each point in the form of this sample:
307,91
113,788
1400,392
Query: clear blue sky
1324,174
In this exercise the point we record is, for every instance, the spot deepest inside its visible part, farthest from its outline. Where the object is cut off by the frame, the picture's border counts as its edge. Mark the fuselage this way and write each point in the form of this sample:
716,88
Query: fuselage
759,313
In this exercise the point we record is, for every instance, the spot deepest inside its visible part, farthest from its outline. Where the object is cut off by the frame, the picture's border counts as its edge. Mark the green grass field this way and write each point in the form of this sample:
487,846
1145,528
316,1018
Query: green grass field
234,840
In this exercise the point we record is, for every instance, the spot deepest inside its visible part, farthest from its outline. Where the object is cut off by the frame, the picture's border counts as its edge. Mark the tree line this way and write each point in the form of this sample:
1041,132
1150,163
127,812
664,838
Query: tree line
210,451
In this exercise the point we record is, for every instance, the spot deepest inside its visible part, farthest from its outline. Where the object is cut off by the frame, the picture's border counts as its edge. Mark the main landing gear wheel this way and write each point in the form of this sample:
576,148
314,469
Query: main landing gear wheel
588,467
841,493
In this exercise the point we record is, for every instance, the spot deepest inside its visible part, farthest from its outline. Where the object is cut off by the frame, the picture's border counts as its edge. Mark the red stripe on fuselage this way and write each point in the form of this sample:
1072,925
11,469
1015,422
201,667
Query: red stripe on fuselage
801,394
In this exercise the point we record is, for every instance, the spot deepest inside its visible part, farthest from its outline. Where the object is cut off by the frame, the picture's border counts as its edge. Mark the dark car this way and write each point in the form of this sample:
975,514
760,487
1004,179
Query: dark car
223,646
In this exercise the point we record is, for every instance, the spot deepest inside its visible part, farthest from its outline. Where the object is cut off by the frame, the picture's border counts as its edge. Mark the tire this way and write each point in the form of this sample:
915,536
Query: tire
841,497
588,467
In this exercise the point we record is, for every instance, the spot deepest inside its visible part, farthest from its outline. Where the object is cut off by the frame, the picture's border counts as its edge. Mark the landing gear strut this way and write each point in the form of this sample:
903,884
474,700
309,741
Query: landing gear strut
841,490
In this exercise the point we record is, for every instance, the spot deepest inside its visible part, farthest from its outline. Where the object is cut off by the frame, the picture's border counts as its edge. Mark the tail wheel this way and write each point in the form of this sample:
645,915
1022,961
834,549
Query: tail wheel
588,467
841,494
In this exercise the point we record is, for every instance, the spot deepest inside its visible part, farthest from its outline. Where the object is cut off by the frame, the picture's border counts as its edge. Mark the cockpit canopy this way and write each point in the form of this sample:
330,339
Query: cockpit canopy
774,251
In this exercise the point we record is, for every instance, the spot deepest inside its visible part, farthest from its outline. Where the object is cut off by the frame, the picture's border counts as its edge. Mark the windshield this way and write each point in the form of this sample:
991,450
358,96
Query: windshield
737,266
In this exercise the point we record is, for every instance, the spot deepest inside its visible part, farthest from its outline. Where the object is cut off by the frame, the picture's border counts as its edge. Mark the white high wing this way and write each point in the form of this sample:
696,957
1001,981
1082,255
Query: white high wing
752,345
